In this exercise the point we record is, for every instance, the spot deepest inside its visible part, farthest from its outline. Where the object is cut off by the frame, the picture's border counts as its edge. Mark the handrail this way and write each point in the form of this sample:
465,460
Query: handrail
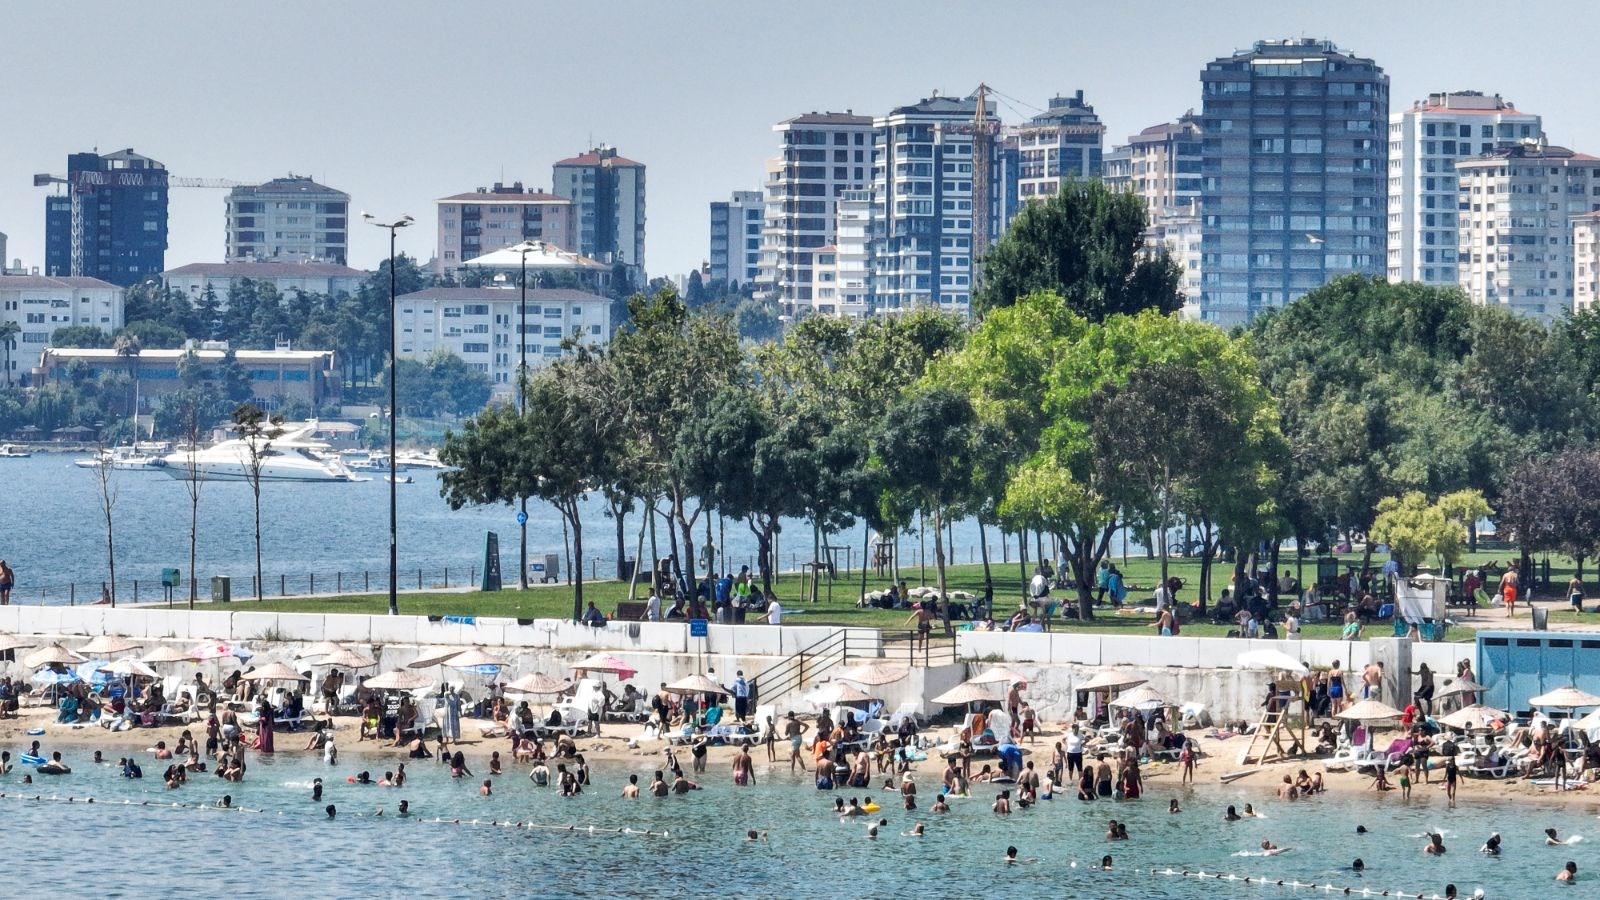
793,671
919,652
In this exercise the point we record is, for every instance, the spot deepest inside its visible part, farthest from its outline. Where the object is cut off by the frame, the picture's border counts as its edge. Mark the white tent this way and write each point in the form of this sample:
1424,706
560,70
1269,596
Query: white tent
541,256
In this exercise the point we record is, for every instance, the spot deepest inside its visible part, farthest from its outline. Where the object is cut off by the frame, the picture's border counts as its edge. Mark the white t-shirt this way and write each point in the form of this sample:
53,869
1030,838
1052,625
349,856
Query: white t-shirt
1074,742
652,608
775,613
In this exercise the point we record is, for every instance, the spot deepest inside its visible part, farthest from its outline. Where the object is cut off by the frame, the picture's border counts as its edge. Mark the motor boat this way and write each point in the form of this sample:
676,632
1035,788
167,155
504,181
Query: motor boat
12,451
400,479
291,456
419,459
143,456
369,462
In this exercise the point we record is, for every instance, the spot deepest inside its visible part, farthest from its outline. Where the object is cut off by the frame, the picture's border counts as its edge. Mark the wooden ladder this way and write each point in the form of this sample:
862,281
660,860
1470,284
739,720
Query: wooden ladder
1268,736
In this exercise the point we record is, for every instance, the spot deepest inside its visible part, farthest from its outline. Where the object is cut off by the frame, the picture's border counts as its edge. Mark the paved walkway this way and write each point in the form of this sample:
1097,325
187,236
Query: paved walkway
1494,618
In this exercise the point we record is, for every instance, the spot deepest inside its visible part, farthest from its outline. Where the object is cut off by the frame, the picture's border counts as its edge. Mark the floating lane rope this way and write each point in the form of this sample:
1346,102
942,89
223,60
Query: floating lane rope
1293,884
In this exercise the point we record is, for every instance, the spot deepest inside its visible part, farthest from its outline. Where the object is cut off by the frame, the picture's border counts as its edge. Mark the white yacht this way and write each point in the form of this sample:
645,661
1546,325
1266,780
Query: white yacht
419,459
290,456
145,456
12,451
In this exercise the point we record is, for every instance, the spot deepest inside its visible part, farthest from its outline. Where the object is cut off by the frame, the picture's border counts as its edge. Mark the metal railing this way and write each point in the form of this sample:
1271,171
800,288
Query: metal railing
796,670
938,650
243,587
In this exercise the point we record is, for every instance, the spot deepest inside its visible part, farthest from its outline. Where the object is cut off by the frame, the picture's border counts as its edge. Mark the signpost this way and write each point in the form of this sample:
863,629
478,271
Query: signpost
700,628
170,579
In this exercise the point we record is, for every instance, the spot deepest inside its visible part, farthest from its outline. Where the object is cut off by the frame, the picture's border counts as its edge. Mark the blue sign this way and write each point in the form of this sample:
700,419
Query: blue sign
699,627
522,517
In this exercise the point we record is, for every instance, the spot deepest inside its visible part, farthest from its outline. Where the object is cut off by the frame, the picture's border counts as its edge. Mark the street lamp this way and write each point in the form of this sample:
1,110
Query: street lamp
523,249
394,410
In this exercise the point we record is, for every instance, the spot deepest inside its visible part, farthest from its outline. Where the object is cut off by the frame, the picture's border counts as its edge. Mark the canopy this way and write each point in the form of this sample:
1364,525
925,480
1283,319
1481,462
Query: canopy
1565,698
605,662
436,657
51,653
90,671
1460,686
107,644
874,673
540,255
694,684
52,676
129,666
966,692
1588,722
274,671
475,657
13,642
1475,716
1112,680
1143,698
537,683
1273,660
220,650
1370,711
398,680
320,648
167,653
348,659
997,675
837,692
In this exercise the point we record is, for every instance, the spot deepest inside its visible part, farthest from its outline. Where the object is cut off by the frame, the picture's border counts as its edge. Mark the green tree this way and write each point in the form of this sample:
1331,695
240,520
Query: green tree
152,334
1086,245
1414,529
87,336
8,333
1552,504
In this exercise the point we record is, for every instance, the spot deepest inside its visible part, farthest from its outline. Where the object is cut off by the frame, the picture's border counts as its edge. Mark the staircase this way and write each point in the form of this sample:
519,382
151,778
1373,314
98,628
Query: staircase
801,669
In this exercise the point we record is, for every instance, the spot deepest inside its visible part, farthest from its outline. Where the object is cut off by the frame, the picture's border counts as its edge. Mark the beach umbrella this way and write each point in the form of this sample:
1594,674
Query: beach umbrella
1111,680
220,650
838,692
399,680
966,692
90,671
320,648
346,659
1143,698
1272,660
997,675
107,644
537,683
605,662
476,659
1370,711
1475,716
129,666
694,684
1587,723
51,654
56,676
436,657
274,671
1461,686
167,653
874,673
1564,698
13,642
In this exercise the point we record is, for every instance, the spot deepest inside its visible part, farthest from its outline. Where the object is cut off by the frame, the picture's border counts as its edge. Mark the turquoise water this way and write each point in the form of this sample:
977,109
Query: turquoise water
72,850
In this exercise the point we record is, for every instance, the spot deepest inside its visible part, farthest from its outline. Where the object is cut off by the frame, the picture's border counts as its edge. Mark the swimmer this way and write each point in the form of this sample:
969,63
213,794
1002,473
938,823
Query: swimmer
753,835
1358,866
916,831
1551,840
1002,804
872,831
1011,854
541,774
1361,829
1114,831
331,810
853,810
1250,812
940,806
1105,862
316,790
1172,806
487,790
658,787
1435,845
378,813
1569,872
226,802
1231,815
97,759
630,791
1491,847
1268,848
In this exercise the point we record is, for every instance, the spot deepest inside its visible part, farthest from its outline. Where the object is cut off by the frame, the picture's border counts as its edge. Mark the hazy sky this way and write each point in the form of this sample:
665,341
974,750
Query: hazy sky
402,102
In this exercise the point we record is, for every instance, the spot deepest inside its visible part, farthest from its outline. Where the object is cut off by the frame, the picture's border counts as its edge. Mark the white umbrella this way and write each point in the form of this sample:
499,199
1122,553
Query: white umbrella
128,666
321,648
348,659
1565,698
13,642
1460,686
997,675
398,680
436,657
274,671
1143,698
1475,716
1271,660
51,654
835,692
1106,681
695,684
1370,711
475,657
966,692
167,653
874,673
537,683
107,644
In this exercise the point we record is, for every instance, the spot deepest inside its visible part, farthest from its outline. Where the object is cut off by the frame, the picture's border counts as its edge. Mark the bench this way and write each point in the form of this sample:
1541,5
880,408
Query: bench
627,611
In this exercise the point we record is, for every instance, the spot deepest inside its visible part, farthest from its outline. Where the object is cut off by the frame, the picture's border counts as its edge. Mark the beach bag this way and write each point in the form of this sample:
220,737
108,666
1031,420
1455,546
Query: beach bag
1498,600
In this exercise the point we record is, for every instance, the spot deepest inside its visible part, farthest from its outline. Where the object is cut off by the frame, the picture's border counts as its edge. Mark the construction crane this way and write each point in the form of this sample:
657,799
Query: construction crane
43,179
983,130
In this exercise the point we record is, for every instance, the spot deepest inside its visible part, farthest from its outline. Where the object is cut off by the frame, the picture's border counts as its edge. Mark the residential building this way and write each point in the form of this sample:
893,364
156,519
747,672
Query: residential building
1516,209
112,223
736,237
277,377
1178,232
1006,198
1425,142
487,219
922,205
1585,260
609,193
481,326
824,154
41,305
1161,164
290,218
852,257
1292,162
1064,143
308,277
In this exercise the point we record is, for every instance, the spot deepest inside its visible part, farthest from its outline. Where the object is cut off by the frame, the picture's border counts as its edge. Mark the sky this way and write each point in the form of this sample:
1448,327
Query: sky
402,102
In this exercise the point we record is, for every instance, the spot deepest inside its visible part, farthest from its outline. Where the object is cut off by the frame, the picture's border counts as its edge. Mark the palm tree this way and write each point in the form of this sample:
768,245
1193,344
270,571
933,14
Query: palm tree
8,330
128,347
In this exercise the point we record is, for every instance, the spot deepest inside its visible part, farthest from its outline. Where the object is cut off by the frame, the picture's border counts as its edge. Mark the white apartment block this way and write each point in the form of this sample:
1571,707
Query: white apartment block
481,325
1585,260
1179,233
1425,142
1161,164
1064,143
922,206
288,219
1516,245
308,277
736,237
488,219
852,255
40,306
824,155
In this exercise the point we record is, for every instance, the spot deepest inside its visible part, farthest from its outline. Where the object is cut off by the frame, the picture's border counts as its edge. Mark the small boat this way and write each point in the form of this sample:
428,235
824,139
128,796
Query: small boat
400,479
12,451
417,459
141,457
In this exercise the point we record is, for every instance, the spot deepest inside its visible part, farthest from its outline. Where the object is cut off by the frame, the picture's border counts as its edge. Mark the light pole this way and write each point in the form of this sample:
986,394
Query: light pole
394,410
523,249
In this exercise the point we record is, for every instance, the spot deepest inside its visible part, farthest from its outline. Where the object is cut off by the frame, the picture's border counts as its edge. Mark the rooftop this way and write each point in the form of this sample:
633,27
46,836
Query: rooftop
292,184
954,107
246,269
1529,150
509,293
598,155
503,196
259,356
848,117
45,282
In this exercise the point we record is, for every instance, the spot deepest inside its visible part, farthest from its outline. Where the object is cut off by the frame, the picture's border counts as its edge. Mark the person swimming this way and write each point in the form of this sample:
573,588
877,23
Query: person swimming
1250,812
1172,807
316,790
1569,872
1358,866
1491,847
405,808
1105,862
1231,815
916,831
1435,845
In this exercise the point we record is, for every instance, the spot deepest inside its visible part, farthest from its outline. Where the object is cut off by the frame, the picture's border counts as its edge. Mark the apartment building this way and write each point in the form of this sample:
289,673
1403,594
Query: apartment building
42,305
1585,260
823,155
487,219
608,191
736,237
1064,143
332,279
1161,164
292,218
112,222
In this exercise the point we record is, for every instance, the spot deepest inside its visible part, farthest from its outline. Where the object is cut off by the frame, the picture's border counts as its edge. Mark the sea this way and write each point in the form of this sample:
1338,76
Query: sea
53,533
139,839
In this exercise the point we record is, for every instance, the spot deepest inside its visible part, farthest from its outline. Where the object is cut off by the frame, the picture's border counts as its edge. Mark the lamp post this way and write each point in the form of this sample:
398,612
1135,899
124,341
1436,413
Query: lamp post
394,410
523,249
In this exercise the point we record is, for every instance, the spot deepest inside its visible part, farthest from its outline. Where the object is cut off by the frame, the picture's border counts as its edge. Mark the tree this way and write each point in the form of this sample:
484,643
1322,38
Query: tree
152,334
110,489
128,347
8,332
1414,528
87,336
925,450
556,452
1552,504
194,420
257,430
1086,245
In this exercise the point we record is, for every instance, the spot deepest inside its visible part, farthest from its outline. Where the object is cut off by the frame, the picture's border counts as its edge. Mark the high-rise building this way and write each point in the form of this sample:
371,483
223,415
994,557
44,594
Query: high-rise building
488,219
1425,142
824,155
112,223
1161,164
1063,143
286,219
1516,209
736,237
922,224
1293,167
853,254
1585,261
608,191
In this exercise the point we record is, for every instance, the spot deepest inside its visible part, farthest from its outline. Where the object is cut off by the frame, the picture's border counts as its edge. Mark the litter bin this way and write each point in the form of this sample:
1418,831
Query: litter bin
221,589
1541,618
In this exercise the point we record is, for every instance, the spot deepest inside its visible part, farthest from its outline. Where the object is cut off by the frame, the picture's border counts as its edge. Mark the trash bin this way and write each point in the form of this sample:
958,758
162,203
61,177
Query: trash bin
1541,618
221,589
627,569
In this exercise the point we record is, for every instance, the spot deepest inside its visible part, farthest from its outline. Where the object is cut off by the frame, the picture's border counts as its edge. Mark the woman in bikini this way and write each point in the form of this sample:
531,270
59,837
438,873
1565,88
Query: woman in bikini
1336,687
